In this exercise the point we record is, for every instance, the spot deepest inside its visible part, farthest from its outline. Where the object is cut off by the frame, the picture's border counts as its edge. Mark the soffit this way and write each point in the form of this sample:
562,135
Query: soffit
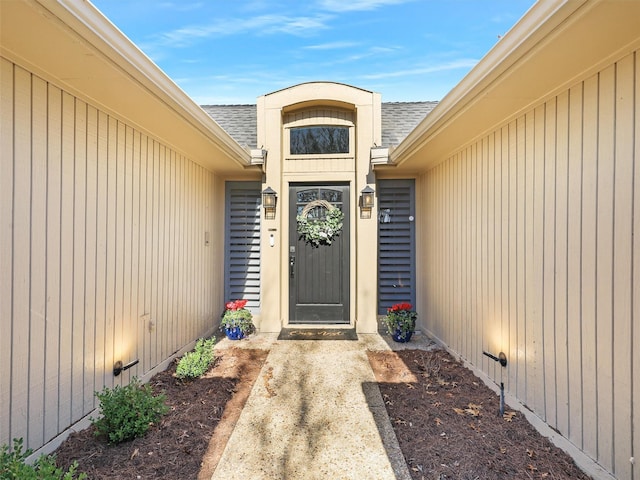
72,45
555,45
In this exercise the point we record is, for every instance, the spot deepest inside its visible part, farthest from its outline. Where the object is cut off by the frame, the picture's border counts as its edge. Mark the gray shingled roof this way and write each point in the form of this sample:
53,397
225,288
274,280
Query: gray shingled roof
239,121
398,120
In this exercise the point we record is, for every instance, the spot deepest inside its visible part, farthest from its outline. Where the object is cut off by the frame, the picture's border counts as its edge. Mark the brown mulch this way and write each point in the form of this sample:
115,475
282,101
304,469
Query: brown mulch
445,418
189,440
448,423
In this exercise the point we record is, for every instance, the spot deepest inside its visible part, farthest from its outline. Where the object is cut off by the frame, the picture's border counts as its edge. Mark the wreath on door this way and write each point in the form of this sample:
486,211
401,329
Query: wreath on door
320,232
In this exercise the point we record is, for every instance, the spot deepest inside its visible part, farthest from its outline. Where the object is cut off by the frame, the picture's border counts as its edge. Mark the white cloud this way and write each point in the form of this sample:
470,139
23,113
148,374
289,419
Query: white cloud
356,5
299,26
384,49
263,24
356,55
180,6
458,64
331,46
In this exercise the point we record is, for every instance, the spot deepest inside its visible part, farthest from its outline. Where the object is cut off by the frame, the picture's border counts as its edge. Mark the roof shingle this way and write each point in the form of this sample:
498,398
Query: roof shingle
239,121
398,120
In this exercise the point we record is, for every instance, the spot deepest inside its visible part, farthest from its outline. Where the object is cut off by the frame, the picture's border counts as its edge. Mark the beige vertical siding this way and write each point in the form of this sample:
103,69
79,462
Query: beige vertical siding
102,254
530,246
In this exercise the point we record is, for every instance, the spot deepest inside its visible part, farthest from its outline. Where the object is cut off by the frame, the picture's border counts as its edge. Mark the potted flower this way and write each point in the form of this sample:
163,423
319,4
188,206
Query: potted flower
236,320
401,321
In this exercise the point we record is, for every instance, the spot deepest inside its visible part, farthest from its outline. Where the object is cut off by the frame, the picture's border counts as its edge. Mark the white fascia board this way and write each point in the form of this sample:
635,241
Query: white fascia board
83,18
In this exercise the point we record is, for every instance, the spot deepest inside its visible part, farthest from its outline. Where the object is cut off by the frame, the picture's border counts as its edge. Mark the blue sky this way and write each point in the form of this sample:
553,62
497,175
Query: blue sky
232,51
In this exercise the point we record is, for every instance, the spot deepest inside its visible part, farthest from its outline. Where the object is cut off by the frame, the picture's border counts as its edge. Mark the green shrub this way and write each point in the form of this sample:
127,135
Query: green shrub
194,364
128,411
13,466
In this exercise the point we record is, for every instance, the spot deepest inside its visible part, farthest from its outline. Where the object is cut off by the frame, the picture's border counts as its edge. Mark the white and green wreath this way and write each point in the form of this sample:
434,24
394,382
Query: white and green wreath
320,232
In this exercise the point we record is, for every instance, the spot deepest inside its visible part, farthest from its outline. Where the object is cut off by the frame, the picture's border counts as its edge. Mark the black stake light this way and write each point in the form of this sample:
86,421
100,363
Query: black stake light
501,358
118,368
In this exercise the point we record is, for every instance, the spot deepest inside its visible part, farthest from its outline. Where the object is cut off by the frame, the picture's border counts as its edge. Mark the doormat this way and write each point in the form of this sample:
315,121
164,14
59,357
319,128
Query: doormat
317,334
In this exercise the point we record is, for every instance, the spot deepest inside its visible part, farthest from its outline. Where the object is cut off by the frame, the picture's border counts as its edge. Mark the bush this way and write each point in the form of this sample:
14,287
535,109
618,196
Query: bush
13,466
194,364
128,411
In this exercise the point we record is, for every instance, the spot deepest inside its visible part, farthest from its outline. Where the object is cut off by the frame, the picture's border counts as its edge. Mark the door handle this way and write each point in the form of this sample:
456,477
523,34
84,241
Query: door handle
292,262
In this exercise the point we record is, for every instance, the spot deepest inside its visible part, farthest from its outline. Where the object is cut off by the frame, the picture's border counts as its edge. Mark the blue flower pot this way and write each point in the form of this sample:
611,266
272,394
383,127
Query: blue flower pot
397,336
234,333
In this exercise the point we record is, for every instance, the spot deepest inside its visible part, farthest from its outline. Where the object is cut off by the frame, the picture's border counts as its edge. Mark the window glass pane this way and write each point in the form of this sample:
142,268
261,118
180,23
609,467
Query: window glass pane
318,213
319,140
332,196
306,196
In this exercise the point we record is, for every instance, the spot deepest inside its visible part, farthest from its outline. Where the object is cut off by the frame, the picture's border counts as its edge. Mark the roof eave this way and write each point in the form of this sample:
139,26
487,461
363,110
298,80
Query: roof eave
122,59
503,55
507,80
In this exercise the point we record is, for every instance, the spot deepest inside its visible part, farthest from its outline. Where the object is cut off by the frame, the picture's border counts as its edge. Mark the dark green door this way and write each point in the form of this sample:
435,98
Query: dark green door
318,275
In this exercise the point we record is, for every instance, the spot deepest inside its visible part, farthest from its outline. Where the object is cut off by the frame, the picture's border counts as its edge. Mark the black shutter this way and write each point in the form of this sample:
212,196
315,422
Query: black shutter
242,243
396,243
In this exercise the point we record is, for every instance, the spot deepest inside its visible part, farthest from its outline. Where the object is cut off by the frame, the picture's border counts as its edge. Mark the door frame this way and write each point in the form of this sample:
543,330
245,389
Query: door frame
345,243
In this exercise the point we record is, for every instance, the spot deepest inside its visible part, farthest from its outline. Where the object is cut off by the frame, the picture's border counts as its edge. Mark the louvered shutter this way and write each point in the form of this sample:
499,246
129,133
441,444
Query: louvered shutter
396,243
242,244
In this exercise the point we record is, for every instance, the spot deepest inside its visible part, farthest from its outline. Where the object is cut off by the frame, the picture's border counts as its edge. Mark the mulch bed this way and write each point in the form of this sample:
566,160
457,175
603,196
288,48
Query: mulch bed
188,441
448,424
445,418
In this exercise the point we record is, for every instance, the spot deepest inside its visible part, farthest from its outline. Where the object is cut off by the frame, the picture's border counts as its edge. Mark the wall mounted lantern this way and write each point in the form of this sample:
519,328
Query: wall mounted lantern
367,201
118,368
269,201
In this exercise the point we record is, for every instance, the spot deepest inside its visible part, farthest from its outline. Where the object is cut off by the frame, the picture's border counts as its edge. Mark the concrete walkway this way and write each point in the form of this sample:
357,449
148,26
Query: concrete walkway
315,412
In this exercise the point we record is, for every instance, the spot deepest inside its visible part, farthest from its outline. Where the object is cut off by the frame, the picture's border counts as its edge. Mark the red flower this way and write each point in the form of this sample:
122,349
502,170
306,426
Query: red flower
235,305
399,307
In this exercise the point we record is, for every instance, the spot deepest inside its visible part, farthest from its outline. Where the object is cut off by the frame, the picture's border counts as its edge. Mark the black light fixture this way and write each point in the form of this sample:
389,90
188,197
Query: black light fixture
118,368
269,201
367,201
501,358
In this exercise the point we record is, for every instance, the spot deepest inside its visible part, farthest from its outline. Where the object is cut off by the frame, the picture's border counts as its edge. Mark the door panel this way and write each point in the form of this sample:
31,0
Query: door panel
318,276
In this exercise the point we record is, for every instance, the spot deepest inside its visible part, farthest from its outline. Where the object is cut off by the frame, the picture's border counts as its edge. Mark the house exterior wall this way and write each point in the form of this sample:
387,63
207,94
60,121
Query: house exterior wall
102,254
527,244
